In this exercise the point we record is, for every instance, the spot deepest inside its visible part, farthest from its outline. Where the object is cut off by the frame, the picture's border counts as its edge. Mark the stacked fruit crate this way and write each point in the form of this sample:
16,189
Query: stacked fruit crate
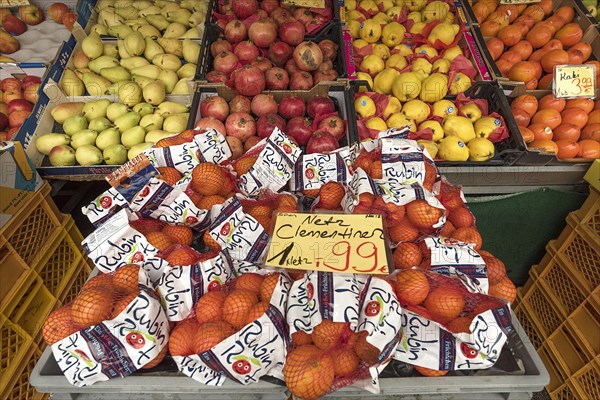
560,306
41,264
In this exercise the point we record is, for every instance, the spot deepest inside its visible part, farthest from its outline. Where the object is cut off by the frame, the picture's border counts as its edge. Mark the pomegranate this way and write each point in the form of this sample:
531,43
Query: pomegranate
211,122
292,106
321,142
301,80
262,63
319,104
216,76
263,104
279,53
236,146
333,125
290,66
251,142
220,46
329,49
280,15
292,32
260,14
249,81
244,8
300,129
246,51
326,76
308,56
239,104
262,33
269,5
225,62
224,6
277,79
235,31
240,125
326,66
266,123
214,106
303,15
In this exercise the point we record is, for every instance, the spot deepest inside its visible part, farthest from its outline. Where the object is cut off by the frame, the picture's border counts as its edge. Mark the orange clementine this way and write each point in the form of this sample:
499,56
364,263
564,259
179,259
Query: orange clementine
100,280
411,286
407,255
237,305
496,270
243,165
145,225
122,302
249,281
268,286
430,176
210,242
181,234
429,372
444,303
300,338
468,235
181,339
461,217
311,192
158,359
331,195
183,255
447,229
308,372
208,178
257,311
328,334
421,214
207,202
126,278
58,325
345,362
364,162
485,305
228,187
365,350
209,335
460,325
194,197
92,306
403,231
160,240
287,203
170,141
209,307
504,289
376,171
169,175
261,210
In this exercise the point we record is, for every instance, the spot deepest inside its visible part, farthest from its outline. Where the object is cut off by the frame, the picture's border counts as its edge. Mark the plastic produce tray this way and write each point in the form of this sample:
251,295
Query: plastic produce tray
47,378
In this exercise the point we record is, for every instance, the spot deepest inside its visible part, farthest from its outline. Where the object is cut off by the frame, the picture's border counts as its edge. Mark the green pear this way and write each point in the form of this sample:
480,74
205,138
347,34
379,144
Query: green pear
149,71
171,46
191,51
200,6
88,155
175,30
109,17
102,4
157,21
169,79
154,93
95,109
187,71
135,44
197,18
130,94
71,84
148,30
115,110
84,137
115,74
152,122
127,121
65,110
143,4
169,6
155,136
110,50
80,60
143,109
119,31
182,16
75,124
127,11
182,87
152,10
99,124
115,154
176,123
152,48
62,156
45,143
132,136
107,138
124,4
137,149
134,62
142,80
167,61
122,50
103,62
92,46
114,88
167,108
99,29
194,32
188,4
95,85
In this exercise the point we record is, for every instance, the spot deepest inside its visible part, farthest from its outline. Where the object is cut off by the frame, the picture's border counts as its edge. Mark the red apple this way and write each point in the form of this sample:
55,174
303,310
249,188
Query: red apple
16,119
3,122
29,80
13,25
31,93
10,95
31,14
18,105
13,84
69,19
56,11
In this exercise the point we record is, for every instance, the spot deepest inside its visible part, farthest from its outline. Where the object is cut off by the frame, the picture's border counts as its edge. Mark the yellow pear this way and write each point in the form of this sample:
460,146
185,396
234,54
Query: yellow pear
442,66
130,94
417,28
354,28
436,128
396,61
451,53
394,13
381,18
376,123
459,126
393,106
429,146
451,148
434,88
384,80
471,111
364,106
436,10
135,44
416,110
444,108
372,64
460,83
71,84
392,34
485,126
444,32
403,50
421,66
369,6
426,49
92,46
363,76
381,51
154,93
406,86
481,149
167,61
182,87
415,5
175,30
399,120
370,31
415,16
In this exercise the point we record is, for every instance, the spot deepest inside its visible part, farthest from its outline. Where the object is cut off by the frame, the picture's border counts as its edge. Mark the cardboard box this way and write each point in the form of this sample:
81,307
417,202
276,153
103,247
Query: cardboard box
18,178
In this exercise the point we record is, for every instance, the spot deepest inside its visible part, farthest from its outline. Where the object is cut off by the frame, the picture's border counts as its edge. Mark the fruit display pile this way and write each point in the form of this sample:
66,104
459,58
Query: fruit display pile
16,104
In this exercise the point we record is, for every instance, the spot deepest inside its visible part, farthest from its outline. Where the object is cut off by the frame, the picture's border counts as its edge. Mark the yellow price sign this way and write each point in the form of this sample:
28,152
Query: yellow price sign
13,3
343,243
306,3
574,80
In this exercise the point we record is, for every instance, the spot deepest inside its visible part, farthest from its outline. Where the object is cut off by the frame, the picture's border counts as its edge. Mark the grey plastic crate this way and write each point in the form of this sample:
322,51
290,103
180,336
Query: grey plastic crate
47,378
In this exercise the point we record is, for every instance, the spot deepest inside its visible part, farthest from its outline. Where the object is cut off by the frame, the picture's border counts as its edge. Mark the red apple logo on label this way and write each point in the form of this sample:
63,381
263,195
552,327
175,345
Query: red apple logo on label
225,229
105,202
287,148
309,173
310,290
81,354
191,220
468,351
242,367
373,308
135,340
214,286
145,192
137,257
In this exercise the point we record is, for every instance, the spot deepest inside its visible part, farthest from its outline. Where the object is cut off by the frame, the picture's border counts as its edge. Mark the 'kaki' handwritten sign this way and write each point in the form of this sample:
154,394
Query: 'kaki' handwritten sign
574,80
306,3
344,243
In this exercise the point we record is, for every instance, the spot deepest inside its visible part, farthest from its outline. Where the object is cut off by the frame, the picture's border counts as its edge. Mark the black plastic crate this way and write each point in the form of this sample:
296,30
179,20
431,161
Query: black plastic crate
213,33
343,100
509,150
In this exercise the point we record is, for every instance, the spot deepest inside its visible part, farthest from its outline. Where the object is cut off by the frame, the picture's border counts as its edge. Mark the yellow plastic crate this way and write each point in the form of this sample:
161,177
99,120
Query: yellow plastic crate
565,392
531,330
79,278
567,350
586,381
15,343
21,389
14,272
585,323
542,310
39,305
557,375
589,213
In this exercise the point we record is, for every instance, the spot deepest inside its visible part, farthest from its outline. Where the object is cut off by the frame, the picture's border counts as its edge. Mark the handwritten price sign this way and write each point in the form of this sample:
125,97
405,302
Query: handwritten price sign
345,243
574,80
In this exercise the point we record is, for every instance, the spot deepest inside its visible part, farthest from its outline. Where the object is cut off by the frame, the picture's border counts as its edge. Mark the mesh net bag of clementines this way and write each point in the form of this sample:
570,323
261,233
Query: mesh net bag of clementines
236,331
344,330
445,326
114,327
